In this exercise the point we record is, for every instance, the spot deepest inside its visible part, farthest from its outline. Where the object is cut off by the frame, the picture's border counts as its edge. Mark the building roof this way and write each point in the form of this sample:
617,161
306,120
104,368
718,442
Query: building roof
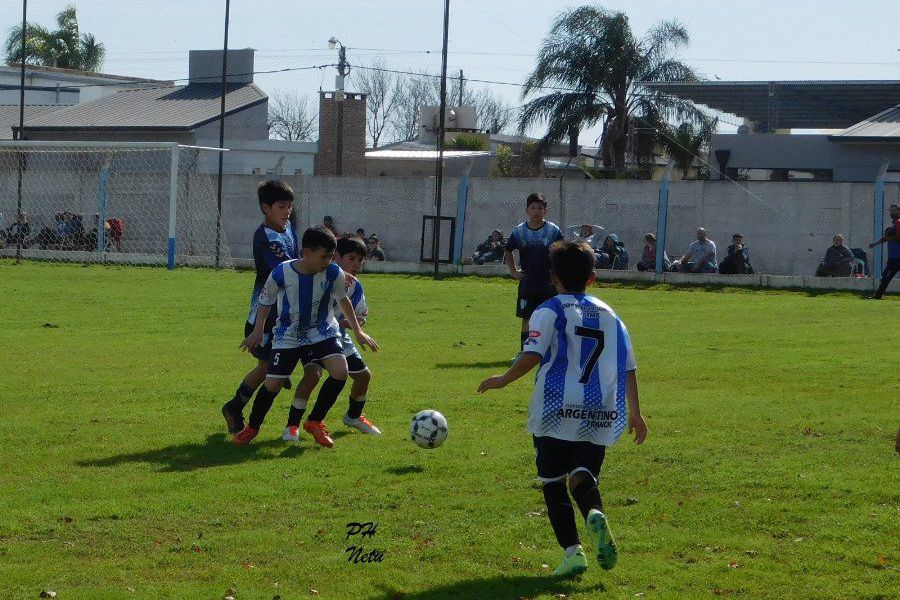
791,104
74,74
180,108
883,127
424,154
9,116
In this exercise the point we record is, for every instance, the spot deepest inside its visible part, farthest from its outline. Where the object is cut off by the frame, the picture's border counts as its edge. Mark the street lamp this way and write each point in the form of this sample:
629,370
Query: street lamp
343,69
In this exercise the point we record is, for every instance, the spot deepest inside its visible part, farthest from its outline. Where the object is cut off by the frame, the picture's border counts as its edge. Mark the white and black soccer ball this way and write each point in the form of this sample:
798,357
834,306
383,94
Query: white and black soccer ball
428,429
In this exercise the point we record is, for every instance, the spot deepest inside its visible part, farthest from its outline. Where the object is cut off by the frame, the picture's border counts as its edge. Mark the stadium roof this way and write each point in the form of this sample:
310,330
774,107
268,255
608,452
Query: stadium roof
181,108
791,104
884,126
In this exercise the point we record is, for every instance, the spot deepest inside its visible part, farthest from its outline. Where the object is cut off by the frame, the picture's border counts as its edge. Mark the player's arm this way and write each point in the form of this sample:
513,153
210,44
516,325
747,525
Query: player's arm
511,244
511,263
521,367
350,316
267,297
636,423
255,338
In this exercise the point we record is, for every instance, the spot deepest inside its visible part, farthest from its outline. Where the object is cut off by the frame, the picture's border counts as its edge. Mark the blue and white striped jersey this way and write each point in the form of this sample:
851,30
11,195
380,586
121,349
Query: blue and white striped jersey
270,247
358,300
579,391
305,313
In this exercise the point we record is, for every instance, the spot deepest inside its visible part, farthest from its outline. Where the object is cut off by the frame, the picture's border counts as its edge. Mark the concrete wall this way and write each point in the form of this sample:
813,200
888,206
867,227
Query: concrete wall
849,162
787,226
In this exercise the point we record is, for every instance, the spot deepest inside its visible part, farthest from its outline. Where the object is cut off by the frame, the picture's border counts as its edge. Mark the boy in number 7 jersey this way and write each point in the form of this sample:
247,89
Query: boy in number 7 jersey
578,406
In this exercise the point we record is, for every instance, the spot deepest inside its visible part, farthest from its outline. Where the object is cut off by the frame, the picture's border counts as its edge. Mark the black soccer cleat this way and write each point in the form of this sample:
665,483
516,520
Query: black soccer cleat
234,419
287,383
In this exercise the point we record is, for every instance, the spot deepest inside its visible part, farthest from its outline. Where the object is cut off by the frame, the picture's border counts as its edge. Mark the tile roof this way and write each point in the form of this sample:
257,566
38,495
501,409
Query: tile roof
154,109
9,116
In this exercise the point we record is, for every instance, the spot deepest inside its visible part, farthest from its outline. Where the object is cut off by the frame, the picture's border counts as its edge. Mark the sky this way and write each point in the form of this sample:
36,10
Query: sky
496,41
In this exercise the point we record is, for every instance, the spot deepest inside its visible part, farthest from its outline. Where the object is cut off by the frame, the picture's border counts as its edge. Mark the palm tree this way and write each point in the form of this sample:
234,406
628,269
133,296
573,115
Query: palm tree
593,66
63,48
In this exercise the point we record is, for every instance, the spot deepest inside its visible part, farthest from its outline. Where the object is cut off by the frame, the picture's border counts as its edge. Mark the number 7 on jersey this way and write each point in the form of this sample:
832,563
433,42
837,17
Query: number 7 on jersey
595,353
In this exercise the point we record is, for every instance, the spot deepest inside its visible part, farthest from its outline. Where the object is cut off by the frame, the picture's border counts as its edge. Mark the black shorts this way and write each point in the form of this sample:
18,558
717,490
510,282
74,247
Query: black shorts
284,360
557,459
529,300
356,364
264,350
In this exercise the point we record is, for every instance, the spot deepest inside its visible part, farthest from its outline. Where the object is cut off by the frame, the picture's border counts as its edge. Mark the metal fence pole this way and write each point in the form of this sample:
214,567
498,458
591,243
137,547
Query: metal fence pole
878,220
662,215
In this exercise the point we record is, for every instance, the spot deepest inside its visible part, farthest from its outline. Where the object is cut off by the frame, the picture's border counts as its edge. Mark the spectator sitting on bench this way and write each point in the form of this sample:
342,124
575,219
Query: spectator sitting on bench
700,257
17,233
613,254
838,259
648,259
373,248
491,249
737,261
585,233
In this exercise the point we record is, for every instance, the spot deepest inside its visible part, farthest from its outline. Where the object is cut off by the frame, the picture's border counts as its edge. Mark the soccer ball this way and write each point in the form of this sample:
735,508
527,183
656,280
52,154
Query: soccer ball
428,429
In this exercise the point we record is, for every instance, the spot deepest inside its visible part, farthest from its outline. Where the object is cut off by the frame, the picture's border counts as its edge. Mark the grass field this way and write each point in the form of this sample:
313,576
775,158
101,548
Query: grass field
769,470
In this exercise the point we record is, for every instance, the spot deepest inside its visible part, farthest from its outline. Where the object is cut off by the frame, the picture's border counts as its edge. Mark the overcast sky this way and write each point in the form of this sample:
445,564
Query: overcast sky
492,40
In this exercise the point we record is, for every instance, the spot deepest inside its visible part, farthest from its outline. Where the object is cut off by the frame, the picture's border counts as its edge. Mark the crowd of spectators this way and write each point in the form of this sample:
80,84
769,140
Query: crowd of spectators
66,232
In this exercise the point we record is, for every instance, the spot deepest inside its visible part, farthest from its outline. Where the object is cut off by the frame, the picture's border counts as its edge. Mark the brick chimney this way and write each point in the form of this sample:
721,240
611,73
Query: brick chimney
353,154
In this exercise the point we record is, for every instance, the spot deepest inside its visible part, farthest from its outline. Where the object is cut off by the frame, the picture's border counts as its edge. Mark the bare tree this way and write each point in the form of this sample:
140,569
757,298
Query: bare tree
415,92
291,118
384,90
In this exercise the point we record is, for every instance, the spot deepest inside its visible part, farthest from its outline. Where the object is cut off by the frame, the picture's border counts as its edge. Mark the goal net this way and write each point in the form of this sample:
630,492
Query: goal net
116,202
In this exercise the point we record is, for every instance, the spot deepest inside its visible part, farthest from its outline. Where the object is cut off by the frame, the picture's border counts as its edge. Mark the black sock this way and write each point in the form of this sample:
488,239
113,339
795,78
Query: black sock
241,396
295,415
524,337
356,408
561,513
587,496
261,405
328,395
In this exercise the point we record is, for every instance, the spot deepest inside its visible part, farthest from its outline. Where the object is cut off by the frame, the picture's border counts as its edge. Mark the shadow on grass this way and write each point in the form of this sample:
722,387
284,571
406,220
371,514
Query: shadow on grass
216,451
494,588
406,470
484,364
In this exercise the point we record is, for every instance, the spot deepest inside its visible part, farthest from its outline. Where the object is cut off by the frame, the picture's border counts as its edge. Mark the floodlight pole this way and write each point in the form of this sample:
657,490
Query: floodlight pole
20,135
439,168
222,136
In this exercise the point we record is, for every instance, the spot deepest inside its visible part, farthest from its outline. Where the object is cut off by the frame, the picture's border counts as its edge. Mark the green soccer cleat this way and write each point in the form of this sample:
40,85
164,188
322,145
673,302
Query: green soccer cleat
572,565
602,538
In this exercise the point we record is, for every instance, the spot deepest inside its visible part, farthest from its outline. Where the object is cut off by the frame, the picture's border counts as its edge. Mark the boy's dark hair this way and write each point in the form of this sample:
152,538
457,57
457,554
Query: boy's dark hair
349,244
572,263
318,238
273,191
535,197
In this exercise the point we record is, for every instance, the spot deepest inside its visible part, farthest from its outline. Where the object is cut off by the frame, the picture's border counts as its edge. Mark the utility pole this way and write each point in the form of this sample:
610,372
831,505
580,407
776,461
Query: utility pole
439,168
461,83
343,70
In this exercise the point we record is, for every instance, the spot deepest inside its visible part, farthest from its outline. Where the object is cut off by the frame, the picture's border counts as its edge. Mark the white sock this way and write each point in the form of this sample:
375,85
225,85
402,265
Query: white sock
571,550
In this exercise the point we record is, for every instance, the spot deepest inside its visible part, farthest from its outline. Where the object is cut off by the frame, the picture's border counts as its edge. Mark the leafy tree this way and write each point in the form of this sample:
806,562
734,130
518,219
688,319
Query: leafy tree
65,47
591,67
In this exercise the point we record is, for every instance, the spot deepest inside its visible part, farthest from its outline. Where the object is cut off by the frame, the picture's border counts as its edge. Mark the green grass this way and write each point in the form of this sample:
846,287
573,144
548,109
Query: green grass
769,470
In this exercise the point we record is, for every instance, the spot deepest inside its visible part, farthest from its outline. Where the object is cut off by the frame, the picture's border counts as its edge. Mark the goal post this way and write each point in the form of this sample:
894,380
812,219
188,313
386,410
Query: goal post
151,203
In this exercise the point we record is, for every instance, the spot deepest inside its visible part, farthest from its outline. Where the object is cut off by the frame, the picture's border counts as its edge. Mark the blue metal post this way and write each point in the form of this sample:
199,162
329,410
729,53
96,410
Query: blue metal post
101,209
662,214
462,197
879,223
